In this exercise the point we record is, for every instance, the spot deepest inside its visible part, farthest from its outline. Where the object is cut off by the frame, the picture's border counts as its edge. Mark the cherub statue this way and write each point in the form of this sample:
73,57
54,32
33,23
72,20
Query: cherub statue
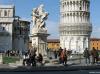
39,16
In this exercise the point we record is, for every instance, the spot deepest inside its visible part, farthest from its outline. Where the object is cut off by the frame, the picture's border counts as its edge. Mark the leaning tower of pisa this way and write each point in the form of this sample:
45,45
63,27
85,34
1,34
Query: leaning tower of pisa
75,26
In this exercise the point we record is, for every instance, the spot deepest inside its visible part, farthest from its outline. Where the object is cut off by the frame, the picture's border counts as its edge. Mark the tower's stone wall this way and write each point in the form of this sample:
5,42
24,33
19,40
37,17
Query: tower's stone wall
75,26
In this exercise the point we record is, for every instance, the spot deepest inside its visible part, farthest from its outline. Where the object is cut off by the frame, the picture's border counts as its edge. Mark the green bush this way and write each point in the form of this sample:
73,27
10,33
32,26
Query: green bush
10,59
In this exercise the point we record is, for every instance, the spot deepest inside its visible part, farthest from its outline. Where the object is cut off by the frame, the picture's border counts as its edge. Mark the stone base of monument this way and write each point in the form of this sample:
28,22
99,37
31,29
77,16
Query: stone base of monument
39,41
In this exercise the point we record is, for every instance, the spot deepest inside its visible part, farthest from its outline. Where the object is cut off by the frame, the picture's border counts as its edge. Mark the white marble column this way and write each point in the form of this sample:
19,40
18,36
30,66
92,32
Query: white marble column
68,19
75,18
72,18
82,18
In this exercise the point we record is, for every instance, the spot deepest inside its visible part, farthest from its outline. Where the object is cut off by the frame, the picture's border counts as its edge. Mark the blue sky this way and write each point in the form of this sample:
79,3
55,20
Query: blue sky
24,9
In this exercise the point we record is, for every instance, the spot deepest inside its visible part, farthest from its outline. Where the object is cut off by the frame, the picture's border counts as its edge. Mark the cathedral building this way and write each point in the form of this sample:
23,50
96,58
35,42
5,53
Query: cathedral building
13,30
75,27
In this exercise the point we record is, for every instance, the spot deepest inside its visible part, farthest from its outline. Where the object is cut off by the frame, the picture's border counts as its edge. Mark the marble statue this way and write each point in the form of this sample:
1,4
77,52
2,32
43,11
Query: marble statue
39,30
39,16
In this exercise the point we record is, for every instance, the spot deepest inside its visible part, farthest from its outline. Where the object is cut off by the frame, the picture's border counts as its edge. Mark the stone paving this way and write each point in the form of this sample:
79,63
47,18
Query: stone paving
6,68
52,63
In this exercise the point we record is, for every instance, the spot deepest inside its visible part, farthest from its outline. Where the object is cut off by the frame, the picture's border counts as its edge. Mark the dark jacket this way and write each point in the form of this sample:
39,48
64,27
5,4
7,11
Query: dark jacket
86,53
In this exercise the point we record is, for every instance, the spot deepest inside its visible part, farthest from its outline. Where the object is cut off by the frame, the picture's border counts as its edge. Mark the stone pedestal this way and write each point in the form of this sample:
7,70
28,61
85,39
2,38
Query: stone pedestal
39,41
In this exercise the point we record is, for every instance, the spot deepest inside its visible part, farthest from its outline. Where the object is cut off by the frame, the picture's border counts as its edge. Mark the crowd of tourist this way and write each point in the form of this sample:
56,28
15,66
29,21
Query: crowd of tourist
12,53
31,59
90,56
63,55
94,54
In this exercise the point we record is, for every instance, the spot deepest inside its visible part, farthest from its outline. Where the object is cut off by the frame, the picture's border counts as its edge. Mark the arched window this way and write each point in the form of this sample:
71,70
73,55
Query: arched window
3,28
77,14
70,2
67,14
5,13
0,13
70,14
77,2
65,3
8,12
74,2
73,14
80,8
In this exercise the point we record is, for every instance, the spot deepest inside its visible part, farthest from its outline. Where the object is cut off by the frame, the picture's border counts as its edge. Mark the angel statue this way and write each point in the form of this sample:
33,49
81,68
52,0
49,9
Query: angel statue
39,16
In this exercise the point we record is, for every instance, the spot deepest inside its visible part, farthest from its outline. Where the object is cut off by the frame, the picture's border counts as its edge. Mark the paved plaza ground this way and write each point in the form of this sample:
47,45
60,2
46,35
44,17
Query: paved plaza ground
51,68
75,65
67,69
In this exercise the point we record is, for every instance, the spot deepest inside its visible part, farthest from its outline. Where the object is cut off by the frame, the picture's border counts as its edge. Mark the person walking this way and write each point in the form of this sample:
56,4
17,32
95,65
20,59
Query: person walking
40,59
95,55
65,56
60,55
86,55
55,54
26,59
32,57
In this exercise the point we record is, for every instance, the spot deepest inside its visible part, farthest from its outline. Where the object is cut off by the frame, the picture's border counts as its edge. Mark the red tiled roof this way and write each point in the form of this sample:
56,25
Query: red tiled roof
53,40
94,39
57,40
